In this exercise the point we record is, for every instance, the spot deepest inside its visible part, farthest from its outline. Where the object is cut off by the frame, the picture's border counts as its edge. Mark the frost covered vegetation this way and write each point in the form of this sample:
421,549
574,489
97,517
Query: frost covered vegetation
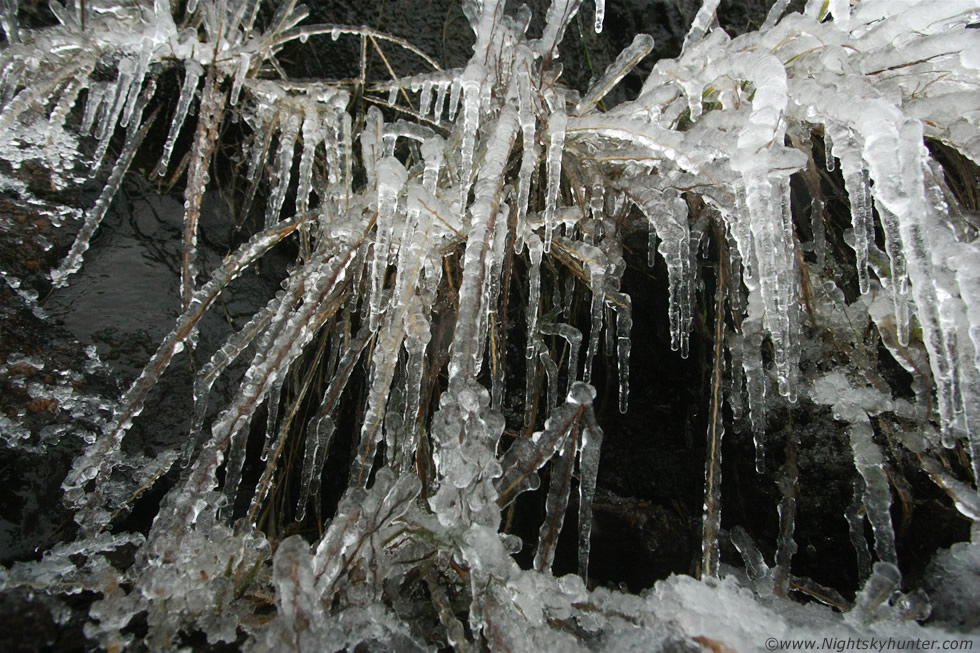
458,240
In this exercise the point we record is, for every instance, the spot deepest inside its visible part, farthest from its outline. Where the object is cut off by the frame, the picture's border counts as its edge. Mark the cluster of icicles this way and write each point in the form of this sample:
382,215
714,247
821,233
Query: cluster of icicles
729,121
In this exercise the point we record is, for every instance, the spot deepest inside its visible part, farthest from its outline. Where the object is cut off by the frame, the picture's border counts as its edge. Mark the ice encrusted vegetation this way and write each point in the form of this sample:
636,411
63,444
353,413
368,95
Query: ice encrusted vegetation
454,196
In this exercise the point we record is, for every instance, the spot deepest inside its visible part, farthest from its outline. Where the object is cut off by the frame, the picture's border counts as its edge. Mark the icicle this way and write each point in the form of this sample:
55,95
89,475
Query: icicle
259,153
284,165
530,388
597,209
594,262
701,22
653,243
775,13
885,580
828,149
667,216
855,524
333,143
901,198
395,433
434,154
315,454
272,418
391,178
112,101
59,114
675,248
192,73
143,64
877,492
236,449
244,62
415,344
388,141
529,158
559,15
107,126
249,11
371,143
359,302
777,279
634,53
347,123
384,361
535,249
559,489
551,373
472,305
134,136
10,75
624,324
472,81
819,232
440,104
755,564
526,455
735,391
786,337
859,190
588,465
600,13
755,377
491,281
96,96
313,135
454,93
36,92
425,98
268,122
557,122
742,236
964,497
574,339
898,283
858,186
323,425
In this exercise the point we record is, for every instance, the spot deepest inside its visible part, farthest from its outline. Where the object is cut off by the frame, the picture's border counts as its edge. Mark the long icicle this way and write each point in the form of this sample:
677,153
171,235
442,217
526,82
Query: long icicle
716,431
192,75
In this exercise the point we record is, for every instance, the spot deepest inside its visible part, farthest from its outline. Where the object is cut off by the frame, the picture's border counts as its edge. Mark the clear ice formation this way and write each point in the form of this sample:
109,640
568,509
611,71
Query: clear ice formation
517,175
